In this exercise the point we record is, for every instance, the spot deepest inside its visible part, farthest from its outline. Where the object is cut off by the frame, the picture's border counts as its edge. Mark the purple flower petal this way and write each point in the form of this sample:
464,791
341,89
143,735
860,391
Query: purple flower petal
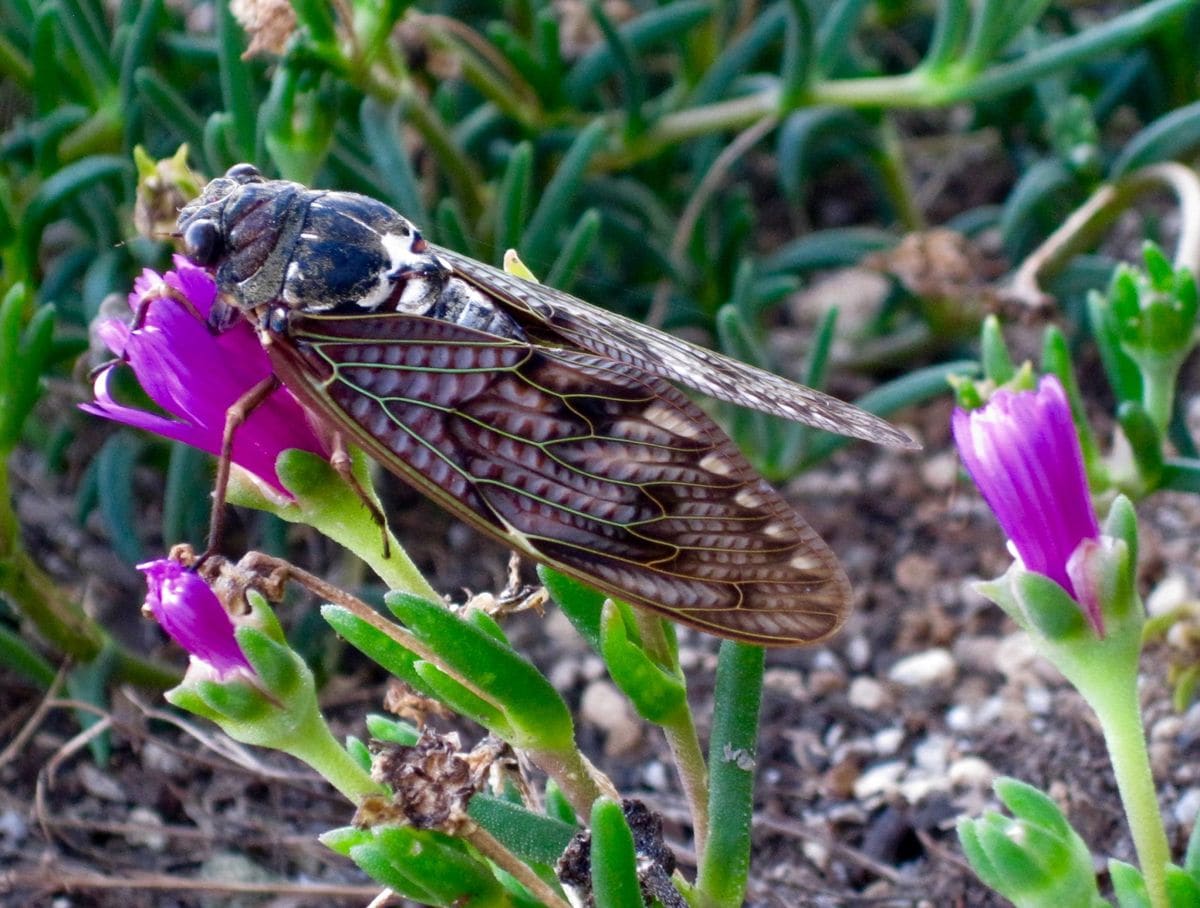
195,376
1022,452
192,615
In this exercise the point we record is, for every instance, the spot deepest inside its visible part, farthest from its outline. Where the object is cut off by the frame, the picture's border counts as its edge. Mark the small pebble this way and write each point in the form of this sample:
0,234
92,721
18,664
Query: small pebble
592,668
158,760
858,652
915,572
99,784
606,707
826,660
1038,700
918,786
976,654
1169,593
558,627
1189,731
655,775
1187,808
1167,728
881,474
933,754
13,828
931,668
880,780
971,772
822,682
1163,758
816,853
940,471
150,833
887,741
786,681
868,694
1016,657
840,779
966,717
564,674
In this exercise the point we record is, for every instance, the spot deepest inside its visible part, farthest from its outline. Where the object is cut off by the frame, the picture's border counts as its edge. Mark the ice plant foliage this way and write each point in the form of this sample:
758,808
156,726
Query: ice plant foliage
196,375
1023,453
188,610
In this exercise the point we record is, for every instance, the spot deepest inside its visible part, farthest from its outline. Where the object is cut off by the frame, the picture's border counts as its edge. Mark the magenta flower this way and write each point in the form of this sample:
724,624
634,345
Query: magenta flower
190,612
196,375
1023,453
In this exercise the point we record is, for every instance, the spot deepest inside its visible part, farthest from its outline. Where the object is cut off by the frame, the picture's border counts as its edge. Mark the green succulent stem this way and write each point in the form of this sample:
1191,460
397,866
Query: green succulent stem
937,86
732,749
581,783
313,743
1105,674
1104,670
680,729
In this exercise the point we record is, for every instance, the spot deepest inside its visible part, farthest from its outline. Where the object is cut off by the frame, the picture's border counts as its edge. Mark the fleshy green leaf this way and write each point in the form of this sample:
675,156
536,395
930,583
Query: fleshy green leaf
656,694
385,728
464,701
1128,885
614,864
530,836
532,706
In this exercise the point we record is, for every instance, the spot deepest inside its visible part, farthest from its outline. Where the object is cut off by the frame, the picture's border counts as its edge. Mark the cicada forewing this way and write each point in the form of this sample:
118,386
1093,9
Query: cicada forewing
584,461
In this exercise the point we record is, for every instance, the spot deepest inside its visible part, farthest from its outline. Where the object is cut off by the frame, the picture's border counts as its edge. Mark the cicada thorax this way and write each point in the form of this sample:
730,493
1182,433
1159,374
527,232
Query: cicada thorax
276,243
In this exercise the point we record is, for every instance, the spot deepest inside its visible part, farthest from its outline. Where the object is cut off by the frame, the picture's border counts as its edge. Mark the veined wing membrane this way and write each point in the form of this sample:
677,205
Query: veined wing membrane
585,461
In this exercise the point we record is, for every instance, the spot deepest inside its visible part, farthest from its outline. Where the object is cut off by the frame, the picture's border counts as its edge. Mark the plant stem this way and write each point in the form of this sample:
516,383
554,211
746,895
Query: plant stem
680,732
890,161
1104,672
1114,698
1088,222
315,745
580,782
725,865
331,509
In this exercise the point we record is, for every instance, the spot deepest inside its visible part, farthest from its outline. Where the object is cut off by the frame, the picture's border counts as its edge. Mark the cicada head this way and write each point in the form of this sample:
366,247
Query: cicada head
238,227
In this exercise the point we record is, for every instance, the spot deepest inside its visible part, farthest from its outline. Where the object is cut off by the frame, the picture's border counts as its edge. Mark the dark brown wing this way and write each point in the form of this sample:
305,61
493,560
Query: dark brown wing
582,461
668,356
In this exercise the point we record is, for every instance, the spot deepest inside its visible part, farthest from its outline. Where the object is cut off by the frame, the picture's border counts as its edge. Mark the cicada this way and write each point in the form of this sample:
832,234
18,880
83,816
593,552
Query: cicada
548,423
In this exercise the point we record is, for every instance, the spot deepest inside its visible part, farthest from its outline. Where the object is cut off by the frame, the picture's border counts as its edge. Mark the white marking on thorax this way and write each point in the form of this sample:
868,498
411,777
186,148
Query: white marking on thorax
293,275
400,254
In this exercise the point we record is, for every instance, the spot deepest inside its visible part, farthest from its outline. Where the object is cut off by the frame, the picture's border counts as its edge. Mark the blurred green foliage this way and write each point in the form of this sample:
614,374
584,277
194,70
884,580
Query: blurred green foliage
679,162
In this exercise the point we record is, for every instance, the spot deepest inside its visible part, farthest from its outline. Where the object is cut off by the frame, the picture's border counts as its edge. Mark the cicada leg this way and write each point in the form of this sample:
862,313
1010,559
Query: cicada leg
235,417
340,460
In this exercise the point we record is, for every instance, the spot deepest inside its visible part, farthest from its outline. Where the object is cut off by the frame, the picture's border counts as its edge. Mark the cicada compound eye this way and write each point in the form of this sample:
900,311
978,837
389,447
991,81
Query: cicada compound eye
244,173
202,242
